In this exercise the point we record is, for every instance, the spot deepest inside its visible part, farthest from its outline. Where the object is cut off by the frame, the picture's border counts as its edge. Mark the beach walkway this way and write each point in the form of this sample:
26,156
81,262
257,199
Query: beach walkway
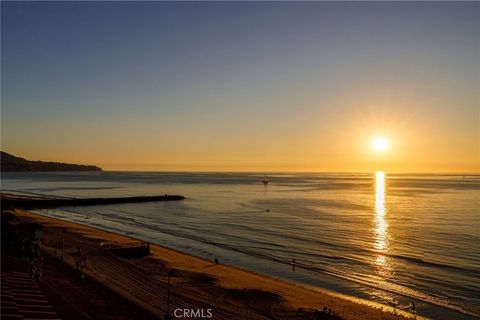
135,285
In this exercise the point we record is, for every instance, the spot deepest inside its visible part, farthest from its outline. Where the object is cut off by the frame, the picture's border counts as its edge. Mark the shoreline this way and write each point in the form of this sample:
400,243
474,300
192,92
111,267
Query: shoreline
230,280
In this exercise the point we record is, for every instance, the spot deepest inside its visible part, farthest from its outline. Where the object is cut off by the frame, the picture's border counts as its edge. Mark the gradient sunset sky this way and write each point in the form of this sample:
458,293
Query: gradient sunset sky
248,86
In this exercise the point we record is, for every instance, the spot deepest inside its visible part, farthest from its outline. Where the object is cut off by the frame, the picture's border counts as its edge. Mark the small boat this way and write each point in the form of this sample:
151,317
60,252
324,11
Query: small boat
265,180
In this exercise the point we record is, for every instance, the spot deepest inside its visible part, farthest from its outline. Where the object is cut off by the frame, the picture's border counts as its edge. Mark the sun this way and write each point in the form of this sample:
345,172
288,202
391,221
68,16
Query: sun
380,144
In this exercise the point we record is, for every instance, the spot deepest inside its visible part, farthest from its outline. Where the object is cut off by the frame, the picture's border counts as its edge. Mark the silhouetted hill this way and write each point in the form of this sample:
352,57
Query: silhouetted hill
12,163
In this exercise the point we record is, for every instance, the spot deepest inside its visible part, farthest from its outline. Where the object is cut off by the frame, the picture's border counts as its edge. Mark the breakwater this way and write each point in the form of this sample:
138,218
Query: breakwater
43,203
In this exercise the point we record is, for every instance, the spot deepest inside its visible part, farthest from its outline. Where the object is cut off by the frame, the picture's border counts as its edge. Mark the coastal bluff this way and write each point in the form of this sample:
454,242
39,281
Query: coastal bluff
11,163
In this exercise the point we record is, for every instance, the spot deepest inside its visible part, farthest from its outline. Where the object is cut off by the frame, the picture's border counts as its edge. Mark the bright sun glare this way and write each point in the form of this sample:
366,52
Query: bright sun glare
380,144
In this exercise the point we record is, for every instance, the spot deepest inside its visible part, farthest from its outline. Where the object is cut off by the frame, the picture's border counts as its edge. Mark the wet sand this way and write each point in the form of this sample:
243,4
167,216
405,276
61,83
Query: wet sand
230,292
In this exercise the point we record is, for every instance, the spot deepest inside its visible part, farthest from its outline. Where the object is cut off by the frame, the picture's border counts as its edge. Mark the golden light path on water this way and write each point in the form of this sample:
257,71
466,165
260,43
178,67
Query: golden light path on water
381,227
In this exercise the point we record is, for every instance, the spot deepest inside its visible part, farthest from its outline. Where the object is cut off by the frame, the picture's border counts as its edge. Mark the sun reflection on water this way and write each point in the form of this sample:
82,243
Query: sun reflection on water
381,227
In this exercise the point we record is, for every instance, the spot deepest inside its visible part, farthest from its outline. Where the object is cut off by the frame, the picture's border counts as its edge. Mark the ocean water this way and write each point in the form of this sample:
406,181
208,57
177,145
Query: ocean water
376,236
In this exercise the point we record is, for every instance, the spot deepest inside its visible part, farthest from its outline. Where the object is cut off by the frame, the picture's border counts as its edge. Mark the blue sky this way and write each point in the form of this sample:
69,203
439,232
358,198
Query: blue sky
242,85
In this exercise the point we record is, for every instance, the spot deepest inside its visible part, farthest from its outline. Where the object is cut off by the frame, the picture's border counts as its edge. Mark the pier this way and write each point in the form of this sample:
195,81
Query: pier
9,200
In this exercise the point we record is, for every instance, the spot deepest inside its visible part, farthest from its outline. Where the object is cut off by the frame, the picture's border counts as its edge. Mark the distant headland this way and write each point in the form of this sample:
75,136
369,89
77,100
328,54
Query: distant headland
12,163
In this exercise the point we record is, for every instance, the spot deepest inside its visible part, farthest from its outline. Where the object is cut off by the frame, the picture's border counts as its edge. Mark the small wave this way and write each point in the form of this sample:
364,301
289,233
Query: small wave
419,261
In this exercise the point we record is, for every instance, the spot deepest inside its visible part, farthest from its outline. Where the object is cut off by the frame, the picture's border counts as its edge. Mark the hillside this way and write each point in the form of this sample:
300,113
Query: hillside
12,163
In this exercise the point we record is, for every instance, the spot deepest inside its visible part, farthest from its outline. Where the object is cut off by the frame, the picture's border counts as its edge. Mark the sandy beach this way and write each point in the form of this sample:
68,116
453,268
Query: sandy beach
229,292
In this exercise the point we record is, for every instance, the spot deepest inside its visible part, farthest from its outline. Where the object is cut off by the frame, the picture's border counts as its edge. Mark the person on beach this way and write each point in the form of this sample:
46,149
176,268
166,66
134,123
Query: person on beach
412,307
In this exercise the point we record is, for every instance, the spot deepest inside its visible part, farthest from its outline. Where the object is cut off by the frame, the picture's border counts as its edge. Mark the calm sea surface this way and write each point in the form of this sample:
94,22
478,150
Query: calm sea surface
375,236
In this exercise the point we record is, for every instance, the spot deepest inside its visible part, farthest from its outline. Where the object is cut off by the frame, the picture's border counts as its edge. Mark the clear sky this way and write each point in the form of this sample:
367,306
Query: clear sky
247,86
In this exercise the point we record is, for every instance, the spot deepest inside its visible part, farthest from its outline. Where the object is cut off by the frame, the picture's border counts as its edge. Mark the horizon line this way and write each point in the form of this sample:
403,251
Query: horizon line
300,171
